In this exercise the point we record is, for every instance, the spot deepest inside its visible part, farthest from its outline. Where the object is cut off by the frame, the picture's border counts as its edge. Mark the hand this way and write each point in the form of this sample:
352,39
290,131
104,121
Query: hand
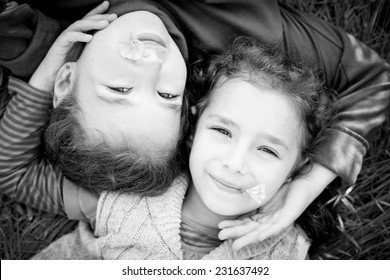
280,212
44,76
277,214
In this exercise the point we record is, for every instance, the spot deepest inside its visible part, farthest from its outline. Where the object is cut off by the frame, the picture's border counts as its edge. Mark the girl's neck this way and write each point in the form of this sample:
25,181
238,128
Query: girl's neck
195,209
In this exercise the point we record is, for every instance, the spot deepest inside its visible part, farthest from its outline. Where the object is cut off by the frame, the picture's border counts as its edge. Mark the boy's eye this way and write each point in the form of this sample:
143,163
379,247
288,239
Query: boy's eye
121,90
167,95
268,151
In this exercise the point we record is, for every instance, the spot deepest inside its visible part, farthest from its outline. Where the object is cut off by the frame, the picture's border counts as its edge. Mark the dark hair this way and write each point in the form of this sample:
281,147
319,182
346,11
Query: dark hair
254,62
102,167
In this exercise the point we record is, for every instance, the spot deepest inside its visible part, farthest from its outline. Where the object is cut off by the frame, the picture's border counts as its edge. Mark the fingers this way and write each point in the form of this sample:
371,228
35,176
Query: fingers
100,9
108,17
264,219
74,36
247,239
87,25
76,32
256,234
269,230
237,231
232,223
94,20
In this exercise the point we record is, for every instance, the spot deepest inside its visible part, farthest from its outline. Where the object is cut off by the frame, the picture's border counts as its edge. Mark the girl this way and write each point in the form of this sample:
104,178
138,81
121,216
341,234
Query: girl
256,128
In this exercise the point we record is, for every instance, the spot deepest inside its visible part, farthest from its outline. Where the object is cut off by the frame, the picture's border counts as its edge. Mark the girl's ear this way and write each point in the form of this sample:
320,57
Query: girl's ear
193,110
64,82
298,169
190,138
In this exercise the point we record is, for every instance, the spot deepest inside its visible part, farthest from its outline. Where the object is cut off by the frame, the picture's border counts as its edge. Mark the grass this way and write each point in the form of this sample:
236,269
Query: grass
361,221
24,231
363,210
367,20
360,226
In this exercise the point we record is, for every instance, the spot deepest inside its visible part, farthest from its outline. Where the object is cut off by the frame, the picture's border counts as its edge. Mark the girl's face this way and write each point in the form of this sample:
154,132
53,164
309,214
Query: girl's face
245,137
132,99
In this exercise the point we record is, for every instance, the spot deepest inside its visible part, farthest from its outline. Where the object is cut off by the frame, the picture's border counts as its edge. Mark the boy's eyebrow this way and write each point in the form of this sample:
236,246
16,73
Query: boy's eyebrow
172,106
113,100
175,107
271,138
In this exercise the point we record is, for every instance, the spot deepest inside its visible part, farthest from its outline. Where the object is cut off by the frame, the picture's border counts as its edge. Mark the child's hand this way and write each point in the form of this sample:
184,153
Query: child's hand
280,212
44,76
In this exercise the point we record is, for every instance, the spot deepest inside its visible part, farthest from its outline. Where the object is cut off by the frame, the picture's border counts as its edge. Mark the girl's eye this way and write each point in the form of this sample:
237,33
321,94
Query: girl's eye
268,151
222,131
167,95
121,90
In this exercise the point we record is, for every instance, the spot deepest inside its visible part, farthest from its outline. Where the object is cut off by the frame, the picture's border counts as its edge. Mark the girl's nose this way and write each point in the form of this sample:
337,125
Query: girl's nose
235,162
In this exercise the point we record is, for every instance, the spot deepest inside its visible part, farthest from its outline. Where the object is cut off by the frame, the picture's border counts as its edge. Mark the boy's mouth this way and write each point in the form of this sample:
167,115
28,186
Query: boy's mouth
135,47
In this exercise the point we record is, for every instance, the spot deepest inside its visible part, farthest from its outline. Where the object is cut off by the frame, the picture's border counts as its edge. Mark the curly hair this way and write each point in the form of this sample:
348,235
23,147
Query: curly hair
146,171
254,62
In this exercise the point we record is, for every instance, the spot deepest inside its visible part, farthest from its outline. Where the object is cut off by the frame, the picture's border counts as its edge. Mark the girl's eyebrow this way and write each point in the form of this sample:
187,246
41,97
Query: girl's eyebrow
273,139
223,120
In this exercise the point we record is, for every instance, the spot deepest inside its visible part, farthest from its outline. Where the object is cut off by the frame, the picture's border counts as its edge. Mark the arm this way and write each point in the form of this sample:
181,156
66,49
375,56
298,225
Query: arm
25,173
360,79
26,36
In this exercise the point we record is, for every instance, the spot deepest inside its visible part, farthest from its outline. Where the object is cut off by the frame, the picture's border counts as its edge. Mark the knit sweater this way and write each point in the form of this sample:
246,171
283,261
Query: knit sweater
134,227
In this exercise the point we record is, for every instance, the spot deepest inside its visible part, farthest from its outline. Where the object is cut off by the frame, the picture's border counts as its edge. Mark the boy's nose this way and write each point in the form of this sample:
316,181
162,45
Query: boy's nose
149,68
154,52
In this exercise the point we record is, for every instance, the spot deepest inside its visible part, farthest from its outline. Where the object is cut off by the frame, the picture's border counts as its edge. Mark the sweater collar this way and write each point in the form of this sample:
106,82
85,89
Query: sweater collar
168,222
165,211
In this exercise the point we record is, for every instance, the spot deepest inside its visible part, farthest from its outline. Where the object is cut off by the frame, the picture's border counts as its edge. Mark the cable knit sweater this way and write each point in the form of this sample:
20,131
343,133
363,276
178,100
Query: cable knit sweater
134,227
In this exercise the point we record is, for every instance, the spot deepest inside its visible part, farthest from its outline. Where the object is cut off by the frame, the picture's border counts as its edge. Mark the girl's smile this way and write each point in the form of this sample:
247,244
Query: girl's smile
226,186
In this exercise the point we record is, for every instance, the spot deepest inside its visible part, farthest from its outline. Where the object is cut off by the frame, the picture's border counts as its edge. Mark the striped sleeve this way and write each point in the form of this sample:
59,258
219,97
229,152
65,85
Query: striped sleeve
25,175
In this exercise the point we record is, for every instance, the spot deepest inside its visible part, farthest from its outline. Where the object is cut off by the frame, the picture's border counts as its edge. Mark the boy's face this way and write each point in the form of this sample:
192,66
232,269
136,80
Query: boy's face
246,136
128,99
